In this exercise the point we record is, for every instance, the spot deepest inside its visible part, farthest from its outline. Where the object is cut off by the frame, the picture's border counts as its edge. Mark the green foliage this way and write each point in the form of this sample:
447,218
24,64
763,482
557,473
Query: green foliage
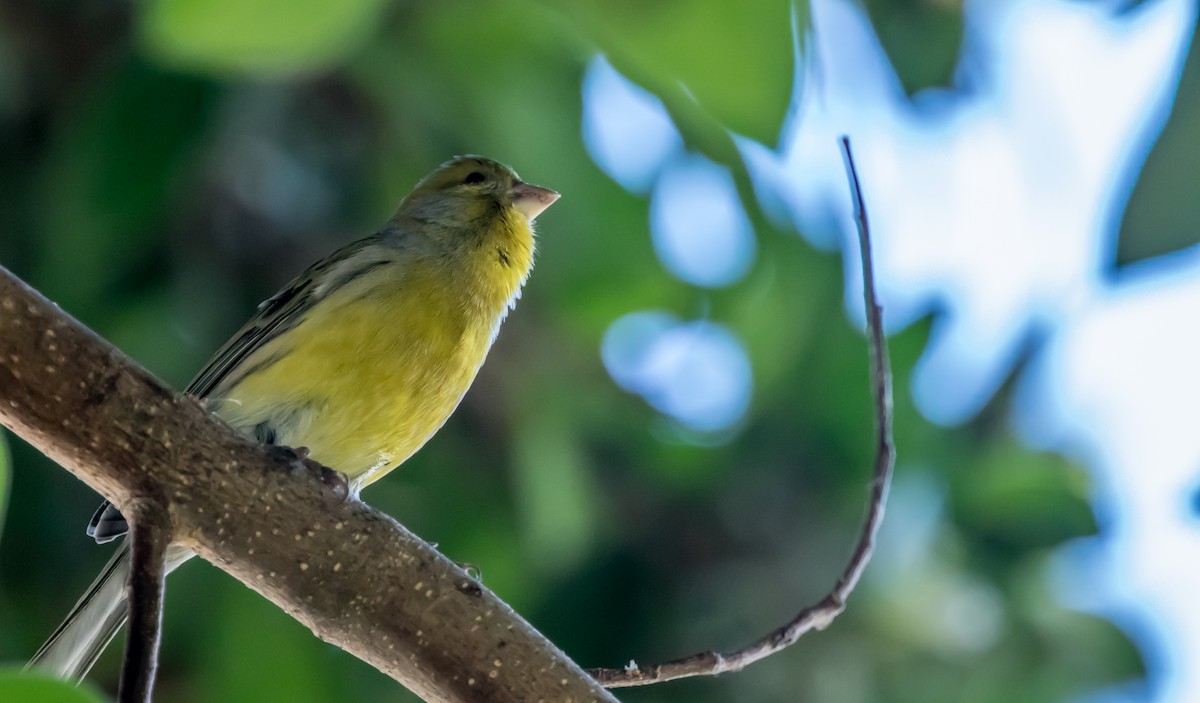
113,171
735,60
279,643
27,687
1163,209
921,38
261,37
184,164
1020,503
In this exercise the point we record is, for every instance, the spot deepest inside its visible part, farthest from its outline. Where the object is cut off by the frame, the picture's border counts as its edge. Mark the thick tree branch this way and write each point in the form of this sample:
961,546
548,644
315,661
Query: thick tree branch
820,615
150,535
281,525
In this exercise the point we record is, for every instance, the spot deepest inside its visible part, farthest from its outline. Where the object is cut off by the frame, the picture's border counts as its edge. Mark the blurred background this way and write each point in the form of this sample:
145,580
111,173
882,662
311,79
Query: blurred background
669,447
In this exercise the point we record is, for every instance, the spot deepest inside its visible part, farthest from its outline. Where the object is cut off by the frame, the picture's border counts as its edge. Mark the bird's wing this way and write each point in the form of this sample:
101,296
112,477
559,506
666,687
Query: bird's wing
274,316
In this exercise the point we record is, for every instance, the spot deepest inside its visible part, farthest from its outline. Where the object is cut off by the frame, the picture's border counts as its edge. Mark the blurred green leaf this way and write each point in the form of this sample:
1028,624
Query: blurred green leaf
1163,210
255,36
281,660
736,59
555,491
921,38
29,687
113,171
1090,648
1082,651
1021,501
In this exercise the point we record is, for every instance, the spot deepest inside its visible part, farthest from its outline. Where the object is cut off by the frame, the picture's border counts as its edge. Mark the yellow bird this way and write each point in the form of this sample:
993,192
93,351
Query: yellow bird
360,359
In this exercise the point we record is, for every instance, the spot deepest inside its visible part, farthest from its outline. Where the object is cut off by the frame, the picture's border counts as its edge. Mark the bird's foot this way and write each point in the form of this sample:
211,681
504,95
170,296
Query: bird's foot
337,482
298,461
292,455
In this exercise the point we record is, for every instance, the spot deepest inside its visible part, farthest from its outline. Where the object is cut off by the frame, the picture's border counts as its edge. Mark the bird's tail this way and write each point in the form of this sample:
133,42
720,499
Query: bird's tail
92,623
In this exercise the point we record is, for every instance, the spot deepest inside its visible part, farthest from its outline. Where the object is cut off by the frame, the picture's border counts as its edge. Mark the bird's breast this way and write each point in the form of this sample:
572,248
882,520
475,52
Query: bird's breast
369,375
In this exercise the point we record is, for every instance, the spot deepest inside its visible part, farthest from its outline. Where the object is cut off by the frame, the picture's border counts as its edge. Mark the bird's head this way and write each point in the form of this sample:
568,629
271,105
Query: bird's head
473,193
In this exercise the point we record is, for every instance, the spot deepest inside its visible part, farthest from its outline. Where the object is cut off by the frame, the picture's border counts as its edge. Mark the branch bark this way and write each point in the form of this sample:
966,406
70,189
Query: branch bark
280,524
150,535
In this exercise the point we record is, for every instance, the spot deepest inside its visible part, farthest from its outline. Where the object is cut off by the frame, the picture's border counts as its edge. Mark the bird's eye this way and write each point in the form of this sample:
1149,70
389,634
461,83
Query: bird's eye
474,177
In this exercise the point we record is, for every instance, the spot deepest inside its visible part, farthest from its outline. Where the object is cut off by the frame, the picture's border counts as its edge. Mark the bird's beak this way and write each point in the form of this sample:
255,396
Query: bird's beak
530,200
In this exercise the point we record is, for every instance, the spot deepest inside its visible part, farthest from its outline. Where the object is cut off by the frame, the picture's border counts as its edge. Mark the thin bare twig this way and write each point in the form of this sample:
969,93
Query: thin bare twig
150,536
820,615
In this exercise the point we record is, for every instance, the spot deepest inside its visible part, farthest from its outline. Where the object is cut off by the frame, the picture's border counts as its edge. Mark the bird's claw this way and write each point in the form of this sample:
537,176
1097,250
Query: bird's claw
292,455
337,481
298,460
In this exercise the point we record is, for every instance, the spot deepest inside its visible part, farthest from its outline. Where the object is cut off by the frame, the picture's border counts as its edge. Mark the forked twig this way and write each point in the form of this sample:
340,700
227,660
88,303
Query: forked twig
820,615
150,537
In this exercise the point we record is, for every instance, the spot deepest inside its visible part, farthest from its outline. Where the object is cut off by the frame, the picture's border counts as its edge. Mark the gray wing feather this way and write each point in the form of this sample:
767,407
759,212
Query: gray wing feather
275,315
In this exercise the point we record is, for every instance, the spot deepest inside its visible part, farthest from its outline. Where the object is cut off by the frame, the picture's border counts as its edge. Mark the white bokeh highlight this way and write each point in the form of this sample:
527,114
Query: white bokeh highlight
695,372
627,131
1118,386
989,207
699,228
